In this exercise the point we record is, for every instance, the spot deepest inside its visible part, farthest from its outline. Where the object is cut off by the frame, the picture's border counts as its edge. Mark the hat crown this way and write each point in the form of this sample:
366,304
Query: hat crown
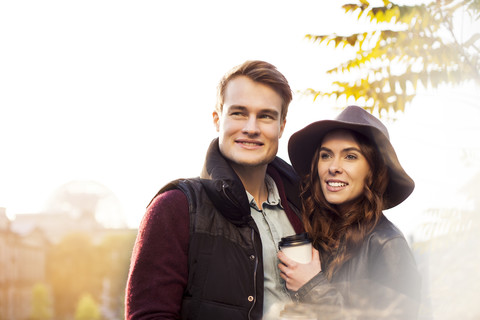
357,115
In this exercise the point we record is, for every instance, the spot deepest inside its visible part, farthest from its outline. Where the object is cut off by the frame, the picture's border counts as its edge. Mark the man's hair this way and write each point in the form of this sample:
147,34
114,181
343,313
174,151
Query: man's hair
261,72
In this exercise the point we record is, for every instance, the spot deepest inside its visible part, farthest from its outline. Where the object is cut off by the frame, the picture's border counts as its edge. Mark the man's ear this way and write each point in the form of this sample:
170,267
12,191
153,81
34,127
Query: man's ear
282,126
216,120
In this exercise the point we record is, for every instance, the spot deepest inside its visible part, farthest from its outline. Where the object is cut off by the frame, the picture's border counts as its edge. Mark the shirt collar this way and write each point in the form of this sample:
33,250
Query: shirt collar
273,198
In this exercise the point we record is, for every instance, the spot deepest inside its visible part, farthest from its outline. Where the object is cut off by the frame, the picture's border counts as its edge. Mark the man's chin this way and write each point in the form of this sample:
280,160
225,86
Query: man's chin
249,159
250,163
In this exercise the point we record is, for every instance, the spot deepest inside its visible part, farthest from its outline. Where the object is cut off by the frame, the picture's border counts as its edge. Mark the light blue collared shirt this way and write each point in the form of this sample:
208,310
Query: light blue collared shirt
273,224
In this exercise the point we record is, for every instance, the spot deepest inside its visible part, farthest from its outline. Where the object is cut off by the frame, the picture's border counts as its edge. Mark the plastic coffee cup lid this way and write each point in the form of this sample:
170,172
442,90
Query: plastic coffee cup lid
295,240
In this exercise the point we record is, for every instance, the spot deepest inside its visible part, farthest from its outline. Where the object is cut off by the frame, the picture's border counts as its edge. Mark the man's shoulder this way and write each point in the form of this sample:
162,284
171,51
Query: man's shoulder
167,211
282,166
168,198
178,190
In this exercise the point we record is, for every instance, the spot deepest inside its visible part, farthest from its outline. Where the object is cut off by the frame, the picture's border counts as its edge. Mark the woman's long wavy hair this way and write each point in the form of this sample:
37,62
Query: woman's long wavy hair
338,234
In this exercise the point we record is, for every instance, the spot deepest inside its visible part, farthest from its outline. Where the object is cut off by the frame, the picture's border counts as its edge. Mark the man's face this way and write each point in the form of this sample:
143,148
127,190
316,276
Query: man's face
250,123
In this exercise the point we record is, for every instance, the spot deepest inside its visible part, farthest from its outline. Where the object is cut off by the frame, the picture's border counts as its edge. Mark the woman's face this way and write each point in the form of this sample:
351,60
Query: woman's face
342,168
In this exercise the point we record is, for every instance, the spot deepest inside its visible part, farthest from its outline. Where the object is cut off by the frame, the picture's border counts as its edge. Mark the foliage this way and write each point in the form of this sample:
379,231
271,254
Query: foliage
87,309
451,262
73,268
76,265
115,251
449,256
41,304
412,45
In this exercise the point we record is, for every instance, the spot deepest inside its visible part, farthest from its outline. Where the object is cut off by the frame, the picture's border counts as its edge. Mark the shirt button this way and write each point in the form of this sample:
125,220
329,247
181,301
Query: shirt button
250,298
252,257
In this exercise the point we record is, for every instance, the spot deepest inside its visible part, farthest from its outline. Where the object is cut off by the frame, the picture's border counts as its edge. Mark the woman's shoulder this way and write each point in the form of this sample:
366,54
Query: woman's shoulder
385,231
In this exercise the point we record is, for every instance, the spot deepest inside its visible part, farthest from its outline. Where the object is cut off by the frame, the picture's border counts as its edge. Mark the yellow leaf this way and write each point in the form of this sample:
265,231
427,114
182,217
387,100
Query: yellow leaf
338,40
352,39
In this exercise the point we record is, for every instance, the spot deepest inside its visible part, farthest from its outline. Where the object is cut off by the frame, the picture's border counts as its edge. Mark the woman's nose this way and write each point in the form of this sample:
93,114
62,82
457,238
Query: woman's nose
335,167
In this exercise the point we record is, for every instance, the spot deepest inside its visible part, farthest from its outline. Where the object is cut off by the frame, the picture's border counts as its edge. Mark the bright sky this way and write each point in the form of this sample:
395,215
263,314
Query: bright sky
121,93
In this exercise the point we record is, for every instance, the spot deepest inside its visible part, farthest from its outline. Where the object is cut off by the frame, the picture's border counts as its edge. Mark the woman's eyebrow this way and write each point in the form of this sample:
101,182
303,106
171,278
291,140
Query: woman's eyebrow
343,150
351,149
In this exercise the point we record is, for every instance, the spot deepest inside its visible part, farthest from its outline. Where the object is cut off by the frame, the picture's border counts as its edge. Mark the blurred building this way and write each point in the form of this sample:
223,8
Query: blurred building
22,266
57,225
76,207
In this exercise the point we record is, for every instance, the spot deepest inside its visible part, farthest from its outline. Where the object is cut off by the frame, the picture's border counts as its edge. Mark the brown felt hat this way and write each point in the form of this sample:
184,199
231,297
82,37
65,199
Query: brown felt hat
303,144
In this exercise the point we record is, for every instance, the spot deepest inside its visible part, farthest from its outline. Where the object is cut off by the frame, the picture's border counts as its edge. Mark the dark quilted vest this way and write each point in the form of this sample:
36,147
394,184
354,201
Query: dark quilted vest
225,277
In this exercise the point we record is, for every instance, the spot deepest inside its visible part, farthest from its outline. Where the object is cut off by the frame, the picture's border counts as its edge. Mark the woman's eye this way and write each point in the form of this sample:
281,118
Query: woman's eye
351,156
324,155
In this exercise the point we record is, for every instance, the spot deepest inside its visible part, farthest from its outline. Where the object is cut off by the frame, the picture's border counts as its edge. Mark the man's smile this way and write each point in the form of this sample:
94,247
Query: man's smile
249,143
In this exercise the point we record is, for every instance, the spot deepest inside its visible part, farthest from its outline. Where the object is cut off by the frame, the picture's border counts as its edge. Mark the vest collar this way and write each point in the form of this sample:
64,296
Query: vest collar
226,190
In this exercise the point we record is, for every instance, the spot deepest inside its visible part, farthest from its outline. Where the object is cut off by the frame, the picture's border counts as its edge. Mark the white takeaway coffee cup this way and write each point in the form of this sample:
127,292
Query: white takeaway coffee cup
297,247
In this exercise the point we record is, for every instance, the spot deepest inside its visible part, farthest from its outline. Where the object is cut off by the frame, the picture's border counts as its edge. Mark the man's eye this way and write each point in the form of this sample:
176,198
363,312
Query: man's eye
266,116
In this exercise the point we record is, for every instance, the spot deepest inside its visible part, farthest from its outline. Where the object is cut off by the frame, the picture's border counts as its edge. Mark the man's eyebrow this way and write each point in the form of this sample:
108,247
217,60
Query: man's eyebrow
271,111
237,107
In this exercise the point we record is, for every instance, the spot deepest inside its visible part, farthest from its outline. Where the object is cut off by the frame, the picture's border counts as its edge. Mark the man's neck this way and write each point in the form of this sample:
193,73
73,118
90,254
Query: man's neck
253,180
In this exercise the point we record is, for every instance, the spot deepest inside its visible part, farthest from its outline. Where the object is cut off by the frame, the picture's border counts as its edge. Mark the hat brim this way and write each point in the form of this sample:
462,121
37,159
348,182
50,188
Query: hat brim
303,144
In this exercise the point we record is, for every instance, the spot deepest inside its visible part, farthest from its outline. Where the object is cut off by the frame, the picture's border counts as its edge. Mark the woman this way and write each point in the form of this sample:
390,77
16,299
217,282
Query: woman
361,262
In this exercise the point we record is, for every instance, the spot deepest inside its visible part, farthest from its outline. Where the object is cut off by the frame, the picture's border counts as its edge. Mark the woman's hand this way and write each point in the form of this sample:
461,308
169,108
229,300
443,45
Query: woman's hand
297,274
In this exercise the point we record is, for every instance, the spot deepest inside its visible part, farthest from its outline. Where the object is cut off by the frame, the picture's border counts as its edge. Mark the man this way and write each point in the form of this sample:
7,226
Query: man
206,247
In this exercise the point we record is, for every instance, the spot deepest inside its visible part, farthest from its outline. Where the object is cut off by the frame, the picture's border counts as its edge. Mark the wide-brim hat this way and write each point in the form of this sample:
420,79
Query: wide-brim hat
303,144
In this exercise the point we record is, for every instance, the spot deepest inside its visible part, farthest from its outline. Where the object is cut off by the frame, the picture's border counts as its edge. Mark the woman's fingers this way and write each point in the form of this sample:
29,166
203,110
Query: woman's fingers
286,264
283,276
284,259
297,274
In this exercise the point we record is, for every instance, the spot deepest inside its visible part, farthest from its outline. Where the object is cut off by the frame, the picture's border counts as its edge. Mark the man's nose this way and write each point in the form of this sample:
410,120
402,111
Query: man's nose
251,126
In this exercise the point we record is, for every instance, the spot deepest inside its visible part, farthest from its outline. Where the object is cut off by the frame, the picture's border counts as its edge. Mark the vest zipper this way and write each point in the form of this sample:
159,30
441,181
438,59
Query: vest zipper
254,274
233,200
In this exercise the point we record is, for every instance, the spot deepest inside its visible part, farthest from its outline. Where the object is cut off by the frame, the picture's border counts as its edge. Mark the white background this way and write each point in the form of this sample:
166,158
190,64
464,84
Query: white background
121,93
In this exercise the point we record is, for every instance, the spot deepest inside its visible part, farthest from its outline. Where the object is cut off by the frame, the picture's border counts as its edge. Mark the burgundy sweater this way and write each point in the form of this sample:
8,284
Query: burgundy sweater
156,281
